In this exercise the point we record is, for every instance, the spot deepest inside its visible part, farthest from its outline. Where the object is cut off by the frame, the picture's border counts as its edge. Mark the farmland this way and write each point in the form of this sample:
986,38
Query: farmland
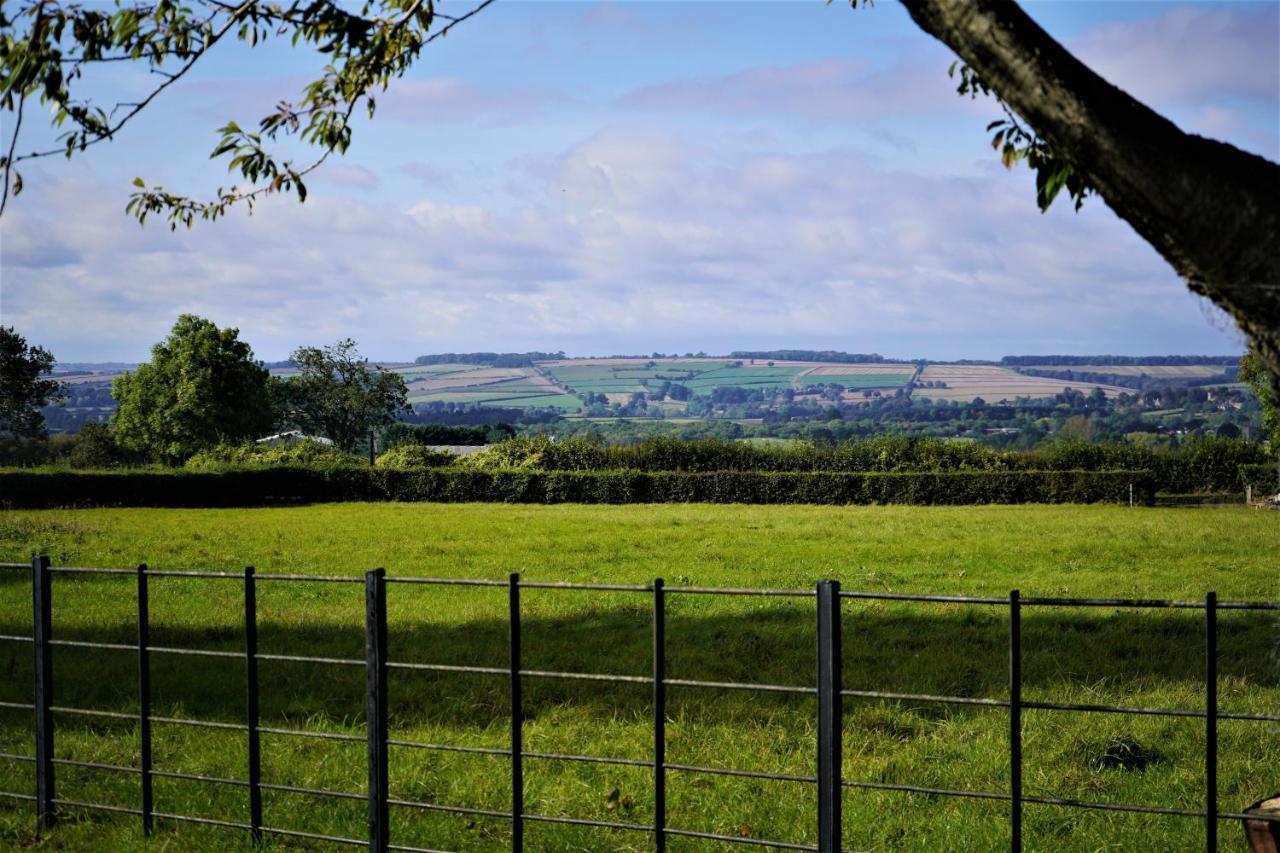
564,383
702,387
1146,658
965,382
511,387
1157,371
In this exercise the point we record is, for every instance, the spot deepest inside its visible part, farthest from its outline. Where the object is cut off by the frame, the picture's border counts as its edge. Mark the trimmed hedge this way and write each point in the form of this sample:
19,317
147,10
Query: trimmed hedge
1265,476
257,487
1204,465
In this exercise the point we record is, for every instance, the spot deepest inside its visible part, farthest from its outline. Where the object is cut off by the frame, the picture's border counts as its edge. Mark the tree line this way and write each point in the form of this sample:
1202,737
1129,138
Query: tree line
490,359
1127,360
203,388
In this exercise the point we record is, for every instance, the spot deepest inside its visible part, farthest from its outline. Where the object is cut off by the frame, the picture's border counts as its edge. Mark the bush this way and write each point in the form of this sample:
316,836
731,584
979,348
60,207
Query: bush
250,487
414,456
1264,477
95,446
403,433
305,452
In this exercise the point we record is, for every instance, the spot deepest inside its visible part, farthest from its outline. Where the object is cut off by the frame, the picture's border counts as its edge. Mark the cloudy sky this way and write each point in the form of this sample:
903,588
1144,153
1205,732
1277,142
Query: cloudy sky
629,177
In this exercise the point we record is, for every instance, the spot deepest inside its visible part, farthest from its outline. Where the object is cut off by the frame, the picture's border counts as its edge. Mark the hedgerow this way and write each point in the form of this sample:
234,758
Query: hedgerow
1205,465
250,487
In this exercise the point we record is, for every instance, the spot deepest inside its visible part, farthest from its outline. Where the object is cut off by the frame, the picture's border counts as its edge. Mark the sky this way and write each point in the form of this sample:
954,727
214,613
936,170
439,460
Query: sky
630,177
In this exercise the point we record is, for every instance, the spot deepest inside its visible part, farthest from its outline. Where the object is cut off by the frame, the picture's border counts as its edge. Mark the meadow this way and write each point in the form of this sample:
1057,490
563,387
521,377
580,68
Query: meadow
1129,657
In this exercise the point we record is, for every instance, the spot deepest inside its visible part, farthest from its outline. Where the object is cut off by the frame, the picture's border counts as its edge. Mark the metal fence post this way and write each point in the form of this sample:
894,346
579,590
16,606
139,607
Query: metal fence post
829,717
42,633
1211,721
517,713
251,705
659,718
375,647
144,698
1015,722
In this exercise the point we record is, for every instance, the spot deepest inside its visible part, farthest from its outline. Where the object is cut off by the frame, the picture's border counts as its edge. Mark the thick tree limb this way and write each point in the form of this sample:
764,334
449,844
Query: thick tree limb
1211,210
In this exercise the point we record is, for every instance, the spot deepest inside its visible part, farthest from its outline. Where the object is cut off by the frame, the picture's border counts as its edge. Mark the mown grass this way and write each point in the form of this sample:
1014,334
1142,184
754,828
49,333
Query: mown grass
1151,658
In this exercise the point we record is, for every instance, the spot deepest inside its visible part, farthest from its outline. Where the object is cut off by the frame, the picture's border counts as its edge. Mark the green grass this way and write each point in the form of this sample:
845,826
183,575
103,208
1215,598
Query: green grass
1149,658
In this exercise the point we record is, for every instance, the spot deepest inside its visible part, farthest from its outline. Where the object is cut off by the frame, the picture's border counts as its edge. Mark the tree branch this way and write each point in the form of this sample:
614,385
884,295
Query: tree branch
8,160
1211,210
109,132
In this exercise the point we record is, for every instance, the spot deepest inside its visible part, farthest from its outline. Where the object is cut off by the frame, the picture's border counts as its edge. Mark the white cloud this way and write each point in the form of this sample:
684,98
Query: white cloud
637,240
1200,54
828,89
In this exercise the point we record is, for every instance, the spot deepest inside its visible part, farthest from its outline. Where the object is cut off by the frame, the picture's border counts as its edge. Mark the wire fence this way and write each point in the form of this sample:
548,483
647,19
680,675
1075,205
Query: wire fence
827,689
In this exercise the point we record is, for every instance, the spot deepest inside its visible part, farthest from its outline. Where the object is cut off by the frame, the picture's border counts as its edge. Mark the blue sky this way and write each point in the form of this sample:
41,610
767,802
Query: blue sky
628,177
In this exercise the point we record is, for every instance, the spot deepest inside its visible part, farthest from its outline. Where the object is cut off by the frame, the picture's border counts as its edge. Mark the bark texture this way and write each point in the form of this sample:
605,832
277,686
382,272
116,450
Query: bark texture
1211,210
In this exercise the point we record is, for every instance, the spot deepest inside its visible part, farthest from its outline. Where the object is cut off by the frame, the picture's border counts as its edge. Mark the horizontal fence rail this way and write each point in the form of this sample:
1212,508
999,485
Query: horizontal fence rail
827,690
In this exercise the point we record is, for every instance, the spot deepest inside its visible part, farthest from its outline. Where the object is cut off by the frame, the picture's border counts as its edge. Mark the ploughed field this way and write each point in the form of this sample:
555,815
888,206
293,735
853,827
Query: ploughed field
1150,658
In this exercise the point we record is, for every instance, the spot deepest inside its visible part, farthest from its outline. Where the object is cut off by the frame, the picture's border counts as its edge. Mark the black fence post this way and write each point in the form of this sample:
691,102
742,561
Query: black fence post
829,717
517,713
1211,721
144,698
42,633
659,718
251,705
1015,722
375,647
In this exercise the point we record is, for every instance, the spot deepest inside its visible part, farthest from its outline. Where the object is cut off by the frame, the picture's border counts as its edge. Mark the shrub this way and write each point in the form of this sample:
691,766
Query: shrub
1264,477
304,452
414,456
96,447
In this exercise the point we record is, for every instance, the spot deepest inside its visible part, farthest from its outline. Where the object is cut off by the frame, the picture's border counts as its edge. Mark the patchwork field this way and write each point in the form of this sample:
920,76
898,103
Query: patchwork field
1089,655
964,382
561,384
1159,371
627,376
517,387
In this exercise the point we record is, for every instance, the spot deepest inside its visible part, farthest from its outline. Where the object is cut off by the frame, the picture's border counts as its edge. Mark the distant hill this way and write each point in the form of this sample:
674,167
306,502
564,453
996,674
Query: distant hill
489,359
1119,360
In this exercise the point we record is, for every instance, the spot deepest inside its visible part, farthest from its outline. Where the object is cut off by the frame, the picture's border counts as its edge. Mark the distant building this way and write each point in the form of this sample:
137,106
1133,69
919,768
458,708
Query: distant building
458,449
290,437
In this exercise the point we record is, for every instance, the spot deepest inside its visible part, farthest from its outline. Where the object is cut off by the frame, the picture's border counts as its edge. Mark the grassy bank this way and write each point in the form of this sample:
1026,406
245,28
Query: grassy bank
1150,658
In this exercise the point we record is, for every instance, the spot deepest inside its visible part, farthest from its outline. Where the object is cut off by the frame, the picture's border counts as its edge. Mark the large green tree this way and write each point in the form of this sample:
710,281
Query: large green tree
1253,372
201,387
24,386
339,395
1211,210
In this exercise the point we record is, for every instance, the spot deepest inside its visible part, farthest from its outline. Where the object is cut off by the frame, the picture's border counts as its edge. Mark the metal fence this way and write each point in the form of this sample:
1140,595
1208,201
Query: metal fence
827,689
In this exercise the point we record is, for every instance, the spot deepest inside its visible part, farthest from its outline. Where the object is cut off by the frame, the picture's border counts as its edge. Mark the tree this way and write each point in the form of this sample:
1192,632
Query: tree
1253,373
338,395
202,387
1208,208
23,391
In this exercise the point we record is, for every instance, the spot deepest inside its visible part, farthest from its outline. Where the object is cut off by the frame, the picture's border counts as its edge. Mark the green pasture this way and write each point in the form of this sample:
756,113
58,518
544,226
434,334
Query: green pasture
1150,658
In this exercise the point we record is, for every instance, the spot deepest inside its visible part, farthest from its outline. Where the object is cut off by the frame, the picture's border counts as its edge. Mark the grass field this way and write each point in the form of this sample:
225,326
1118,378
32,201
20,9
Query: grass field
1142,658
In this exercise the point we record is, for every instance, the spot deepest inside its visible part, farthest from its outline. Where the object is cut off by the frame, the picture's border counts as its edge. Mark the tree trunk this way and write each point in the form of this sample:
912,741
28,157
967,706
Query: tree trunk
1211,210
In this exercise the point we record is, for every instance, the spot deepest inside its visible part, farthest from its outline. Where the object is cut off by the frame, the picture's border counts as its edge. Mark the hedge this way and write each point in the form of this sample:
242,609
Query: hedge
1204,465
1262,477
264,486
